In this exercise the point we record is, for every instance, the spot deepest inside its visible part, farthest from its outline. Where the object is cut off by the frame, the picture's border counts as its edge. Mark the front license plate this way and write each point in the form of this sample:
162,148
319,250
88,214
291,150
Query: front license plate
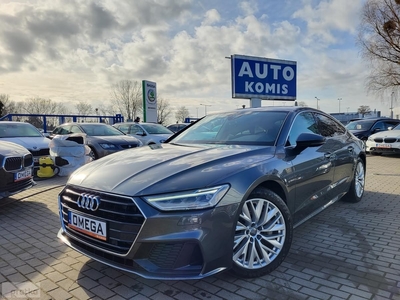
27,173
88,226
383,146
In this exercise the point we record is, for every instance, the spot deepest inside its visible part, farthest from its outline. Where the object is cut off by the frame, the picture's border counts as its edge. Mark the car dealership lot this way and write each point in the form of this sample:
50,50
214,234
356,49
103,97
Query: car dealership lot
349,251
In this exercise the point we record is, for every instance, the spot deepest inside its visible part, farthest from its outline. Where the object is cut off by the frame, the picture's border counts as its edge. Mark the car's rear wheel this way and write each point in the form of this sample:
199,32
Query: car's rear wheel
356,190
263,234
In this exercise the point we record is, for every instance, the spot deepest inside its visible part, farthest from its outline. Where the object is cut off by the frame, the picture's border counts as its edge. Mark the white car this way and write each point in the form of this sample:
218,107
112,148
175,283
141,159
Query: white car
26,135
384,142
147,133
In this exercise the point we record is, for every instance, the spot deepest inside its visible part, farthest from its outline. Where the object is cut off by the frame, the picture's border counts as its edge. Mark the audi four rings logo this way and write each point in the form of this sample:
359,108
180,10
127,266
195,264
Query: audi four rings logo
89,202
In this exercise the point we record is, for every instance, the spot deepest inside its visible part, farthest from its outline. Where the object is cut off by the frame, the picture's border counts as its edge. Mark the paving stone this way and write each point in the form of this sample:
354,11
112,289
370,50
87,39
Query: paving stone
349,251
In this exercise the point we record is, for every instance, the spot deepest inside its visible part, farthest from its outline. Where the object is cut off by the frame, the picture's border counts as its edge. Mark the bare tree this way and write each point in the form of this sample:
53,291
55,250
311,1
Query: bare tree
38,106
181,114
8,105
379,38
364,110
164,111
127,97
84,108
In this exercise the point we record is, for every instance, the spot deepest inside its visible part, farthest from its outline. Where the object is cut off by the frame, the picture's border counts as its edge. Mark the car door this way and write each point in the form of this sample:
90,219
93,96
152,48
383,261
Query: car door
341,147
312,168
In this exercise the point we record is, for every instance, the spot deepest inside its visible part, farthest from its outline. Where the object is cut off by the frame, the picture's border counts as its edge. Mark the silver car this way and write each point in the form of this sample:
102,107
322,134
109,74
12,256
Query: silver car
147,133
26,135
103,139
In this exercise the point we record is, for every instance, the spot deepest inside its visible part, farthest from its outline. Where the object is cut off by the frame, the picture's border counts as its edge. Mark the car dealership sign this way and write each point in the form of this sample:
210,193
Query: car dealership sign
149,89
263,78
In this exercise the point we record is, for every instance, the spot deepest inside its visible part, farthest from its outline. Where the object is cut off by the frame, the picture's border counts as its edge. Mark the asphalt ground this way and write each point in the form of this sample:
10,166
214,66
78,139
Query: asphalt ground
349,251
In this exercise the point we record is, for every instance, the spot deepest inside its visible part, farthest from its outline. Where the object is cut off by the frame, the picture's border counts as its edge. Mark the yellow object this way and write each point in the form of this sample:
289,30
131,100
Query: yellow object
45,167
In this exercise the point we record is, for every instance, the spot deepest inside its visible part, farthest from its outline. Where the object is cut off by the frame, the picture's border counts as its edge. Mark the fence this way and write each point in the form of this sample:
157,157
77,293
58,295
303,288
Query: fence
49,122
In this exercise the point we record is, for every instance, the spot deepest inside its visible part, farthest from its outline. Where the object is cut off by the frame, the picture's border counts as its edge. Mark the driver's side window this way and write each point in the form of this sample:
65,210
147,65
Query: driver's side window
304,123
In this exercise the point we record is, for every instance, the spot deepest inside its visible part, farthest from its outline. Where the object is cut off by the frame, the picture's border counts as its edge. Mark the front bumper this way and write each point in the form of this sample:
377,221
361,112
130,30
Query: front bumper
150,243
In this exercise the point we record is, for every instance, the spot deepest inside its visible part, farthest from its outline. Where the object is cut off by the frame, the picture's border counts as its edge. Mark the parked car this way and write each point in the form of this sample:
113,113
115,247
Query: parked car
384,142
206,201
103,139
365,127
177,126
16,169
147,133
26,135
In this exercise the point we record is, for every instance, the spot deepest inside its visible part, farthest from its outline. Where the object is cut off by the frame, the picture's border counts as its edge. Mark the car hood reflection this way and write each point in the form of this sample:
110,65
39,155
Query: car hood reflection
167,168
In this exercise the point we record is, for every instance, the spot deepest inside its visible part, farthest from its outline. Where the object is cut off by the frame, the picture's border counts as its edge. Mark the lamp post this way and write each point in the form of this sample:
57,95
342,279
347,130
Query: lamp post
339,99
391,105
205,108
317,102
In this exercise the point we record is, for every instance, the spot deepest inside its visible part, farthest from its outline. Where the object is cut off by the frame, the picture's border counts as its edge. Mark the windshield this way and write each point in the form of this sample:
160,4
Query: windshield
18,130
156,129
360,125
235,128
100,130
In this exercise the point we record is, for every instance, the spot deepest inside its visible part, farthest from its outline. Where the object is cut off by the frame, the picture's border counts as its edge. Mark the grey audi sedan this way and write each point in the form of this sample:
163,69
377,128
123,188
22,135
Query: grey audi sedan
224,194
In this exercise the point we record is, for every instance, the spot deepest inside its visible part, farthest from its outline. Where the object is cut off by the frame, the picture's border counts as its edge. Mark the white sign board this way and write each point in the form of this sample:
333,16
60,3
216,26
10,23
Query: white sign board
149,89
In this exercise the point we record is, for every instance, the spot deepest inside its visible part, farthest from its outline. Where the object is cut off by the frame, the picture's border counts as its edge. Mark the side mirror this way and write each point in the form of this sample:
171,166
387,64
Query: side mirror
309,140
141,133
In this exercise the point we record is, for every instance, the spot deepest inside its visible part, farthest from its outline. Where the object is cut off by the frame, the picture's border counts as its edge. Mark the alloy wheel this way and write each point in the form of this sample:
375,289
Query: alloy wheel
260,234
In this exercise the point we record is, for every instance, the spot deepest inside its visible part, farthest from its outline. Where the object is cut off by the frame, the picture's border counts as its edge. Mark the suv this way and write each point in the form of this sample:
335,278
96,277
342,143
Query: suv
363,128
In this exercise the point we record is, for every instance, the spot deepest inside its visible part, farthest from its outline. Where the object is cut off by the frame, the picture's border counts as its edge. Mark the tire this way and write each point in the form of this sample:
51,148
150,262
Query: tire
261,244
93,154
356,190
375,153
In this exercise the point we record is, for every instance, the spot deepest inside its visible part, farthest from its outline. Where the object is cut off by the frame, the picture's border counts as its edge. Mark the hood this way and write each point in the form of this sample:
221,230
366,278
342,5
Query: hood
30,143
387,133
355,132
167,168
12,149
115,139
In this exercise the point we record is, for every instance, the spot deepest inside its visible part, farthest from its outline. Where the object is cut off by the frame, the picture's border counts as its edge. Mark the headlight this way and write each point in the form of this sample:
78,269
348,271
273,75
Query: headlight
108,146
196,199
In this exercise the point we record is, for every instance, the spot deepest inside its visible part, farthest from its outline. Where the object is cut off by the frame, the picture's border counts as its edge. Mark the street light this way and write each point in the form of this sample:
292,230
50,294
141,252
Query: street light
205,108
391,105
339,99
317,102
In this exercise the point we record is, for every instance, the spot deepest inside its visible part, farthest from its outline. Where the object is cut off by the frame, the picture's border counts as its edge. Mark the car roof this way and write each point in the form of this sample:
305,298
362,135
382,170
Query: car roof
375,119
84,123
15,122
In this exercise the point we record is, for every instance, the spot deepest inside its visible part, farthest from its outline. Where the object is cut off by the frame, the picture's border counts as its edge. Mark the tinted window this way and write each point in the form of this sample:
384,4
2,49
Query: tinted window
328,127
304,123
61,130
234,128
75,129
124,128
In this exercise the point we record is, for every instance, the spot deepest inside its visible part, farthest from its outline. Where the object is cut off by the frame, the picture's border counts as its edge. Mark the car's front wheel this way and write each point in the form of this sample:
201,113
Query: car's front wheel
263,234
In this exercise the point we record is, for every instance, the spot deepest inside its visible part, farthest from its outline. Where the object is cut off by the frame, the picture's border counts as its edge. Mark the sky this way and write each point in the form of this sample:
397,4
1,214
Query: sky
73,51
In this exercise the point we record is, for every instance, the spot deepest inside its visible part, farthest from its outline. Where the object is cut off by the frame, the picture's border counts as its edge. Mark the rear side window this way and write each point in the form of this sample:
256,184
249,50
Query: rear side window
328,127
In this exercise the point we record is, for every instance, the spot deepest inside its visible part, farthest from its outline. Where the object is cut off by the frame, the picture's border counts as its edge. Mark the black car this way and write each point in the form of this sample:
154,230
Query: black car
16,174
363,128
224,193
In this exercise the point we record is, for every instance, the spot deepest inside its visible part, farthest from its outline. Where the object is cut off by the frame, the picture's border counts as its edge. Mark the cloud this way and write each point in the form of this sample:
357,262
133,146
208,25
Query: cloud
74,50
